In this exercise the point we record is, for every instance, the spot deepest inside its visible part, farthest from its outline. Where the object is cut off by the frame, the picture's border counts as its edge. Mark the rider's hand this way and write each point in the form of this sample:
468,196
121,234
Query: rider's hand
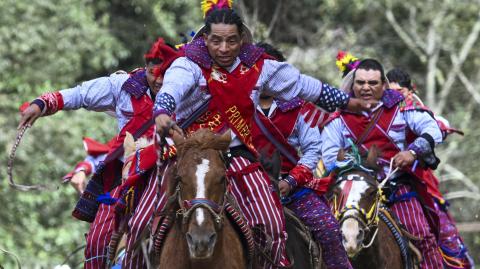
164,124
359,105
284,188
403,159
29,115
78,181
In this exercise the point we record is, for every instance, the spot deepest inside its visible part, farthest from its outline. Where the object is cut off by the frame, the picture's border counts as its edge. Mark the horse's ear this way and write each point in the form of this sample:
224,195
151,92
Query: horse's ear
341,155
177,137
129,144
223,141
372,157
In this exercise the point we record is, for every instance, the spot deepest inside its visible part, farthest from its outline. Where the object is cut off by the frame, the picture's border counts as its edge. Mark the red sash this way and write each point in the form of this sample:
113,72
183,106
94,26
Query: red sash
280,125
231,105
378,135
142,112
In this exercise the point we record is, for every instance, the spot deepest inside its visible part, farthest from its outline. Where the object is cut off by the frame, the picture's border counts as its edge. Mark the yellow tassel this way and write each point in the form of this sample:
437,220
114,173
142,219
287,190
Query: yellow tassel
178,46
129,199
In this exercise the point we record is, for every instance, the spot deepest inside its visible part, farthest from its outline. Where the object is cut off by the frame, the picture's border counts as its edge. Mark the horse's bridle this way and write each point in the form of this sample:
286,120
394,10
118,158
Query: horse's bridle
368,218
187,207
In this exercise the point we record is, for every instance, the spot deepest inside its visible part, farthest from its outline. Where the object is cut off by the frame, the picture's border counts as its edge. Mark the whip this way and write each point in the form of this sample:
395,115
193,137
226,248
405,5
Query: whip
11,158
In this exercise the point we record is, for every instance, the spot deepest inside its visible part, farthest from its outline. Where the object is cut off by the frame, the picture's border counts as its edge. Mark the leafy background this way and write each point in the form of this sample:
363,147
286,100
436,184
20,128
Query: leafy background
53,44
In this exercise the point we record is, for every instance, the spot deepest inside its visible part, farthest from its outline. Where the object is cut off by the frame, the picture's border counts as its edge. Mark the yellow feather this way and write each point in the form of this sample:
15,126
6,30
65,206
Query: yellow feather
207,5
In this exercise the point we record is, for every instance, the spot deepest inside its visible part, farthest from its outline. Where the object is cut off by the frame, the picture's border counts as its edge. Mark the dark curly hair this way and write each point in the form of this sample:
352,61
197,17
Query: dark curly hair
224,15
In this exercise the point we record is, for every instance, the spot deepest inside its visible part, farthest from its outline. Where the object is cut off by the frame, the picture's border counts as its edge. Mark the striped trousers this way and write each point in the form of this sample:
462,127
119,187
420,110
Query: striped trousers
260,205
98,236
150,200
411,214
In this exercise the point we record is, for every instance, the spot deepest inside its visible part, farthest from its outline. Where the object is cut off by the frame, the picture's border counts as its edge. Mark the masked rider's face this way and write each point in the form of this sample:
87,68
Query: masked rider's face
154,78
223,43
368,85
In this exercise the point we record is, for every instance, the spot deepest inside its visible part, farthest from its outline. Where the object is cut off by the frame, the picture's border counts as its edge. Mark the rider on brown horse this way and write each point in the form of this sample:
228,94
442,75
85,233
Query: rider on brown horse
294,125
223,67
451,243
130,98
386,126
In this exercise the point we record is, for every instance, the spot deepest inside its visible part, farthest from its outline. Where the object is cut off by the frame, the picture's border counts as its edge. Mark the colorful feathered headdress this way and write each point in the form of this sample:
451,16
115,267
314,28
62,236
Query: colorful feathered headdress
211,5
346,62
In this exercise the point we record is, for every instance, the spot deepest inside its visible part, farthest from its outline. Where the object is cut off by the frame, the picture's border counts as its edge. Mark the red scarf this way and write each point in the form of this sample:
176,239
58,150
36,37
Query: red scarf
231,105
280,126
378,135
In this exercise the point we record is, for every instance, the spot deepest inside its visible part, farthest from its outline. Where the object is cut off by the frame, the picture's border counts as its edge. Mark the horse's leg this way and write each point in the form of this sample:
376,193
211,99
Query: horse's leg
99,235
316,214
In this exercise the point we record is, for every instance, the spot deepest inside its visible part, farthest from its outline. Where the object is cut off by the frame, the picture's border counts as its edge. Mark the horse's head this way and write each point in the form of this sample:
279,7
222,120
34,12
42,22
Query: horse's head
356,198
202,186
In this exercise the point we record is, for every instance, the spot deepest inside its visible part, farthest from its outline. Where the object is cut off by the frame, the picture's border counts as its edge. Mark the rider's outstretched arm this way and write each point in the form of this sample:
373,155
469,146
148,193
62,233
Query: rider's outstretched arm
101,94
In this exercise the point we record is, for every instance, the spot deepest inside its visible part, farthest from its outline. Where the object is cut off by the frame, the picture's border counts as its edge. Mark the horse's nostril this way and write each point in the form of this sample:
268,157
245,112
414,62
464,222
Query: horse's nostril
212,239
189,239
360,235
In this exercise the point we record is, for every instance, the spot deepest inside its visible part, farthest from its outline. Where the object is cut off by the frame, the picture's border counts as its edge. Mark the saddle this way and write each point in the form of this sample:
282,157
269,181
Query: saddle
411,256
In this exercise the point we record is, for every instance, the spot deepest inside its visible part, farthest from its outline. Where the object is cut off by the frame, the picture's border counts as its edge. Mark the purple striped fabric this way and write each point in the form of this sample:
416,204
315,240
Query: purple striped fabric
314,212
411,214
451,240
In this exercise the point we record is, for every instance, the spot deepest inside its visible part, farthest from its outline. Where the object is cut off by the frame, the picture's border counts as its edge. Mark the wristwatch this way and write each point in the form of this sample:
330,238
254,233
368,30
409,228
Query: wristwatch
413,153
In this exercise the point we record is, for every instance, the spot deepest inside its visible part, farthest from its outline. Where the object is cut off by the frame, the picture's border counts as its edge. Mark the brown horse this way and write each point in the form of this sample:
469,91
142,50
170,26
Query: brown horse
201,235
364,222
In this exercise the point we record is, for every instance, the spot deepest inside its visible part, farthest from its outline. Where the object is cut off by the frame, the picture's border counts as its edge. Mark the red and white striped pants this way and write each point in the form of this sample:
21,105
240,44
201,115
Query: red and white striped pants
98,236
411,214
260,205
143,212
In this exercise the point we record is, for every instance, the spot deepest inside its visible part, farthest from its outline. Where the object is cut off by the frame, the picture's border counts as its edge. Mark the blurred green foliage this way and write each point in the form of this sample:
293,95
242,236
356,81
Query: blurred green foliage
52,44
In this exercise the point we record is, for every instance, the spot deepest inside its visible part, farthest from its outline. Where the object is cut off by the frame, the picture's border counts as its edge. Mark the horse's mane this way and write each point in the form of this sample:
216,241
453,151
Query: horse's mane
201,140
